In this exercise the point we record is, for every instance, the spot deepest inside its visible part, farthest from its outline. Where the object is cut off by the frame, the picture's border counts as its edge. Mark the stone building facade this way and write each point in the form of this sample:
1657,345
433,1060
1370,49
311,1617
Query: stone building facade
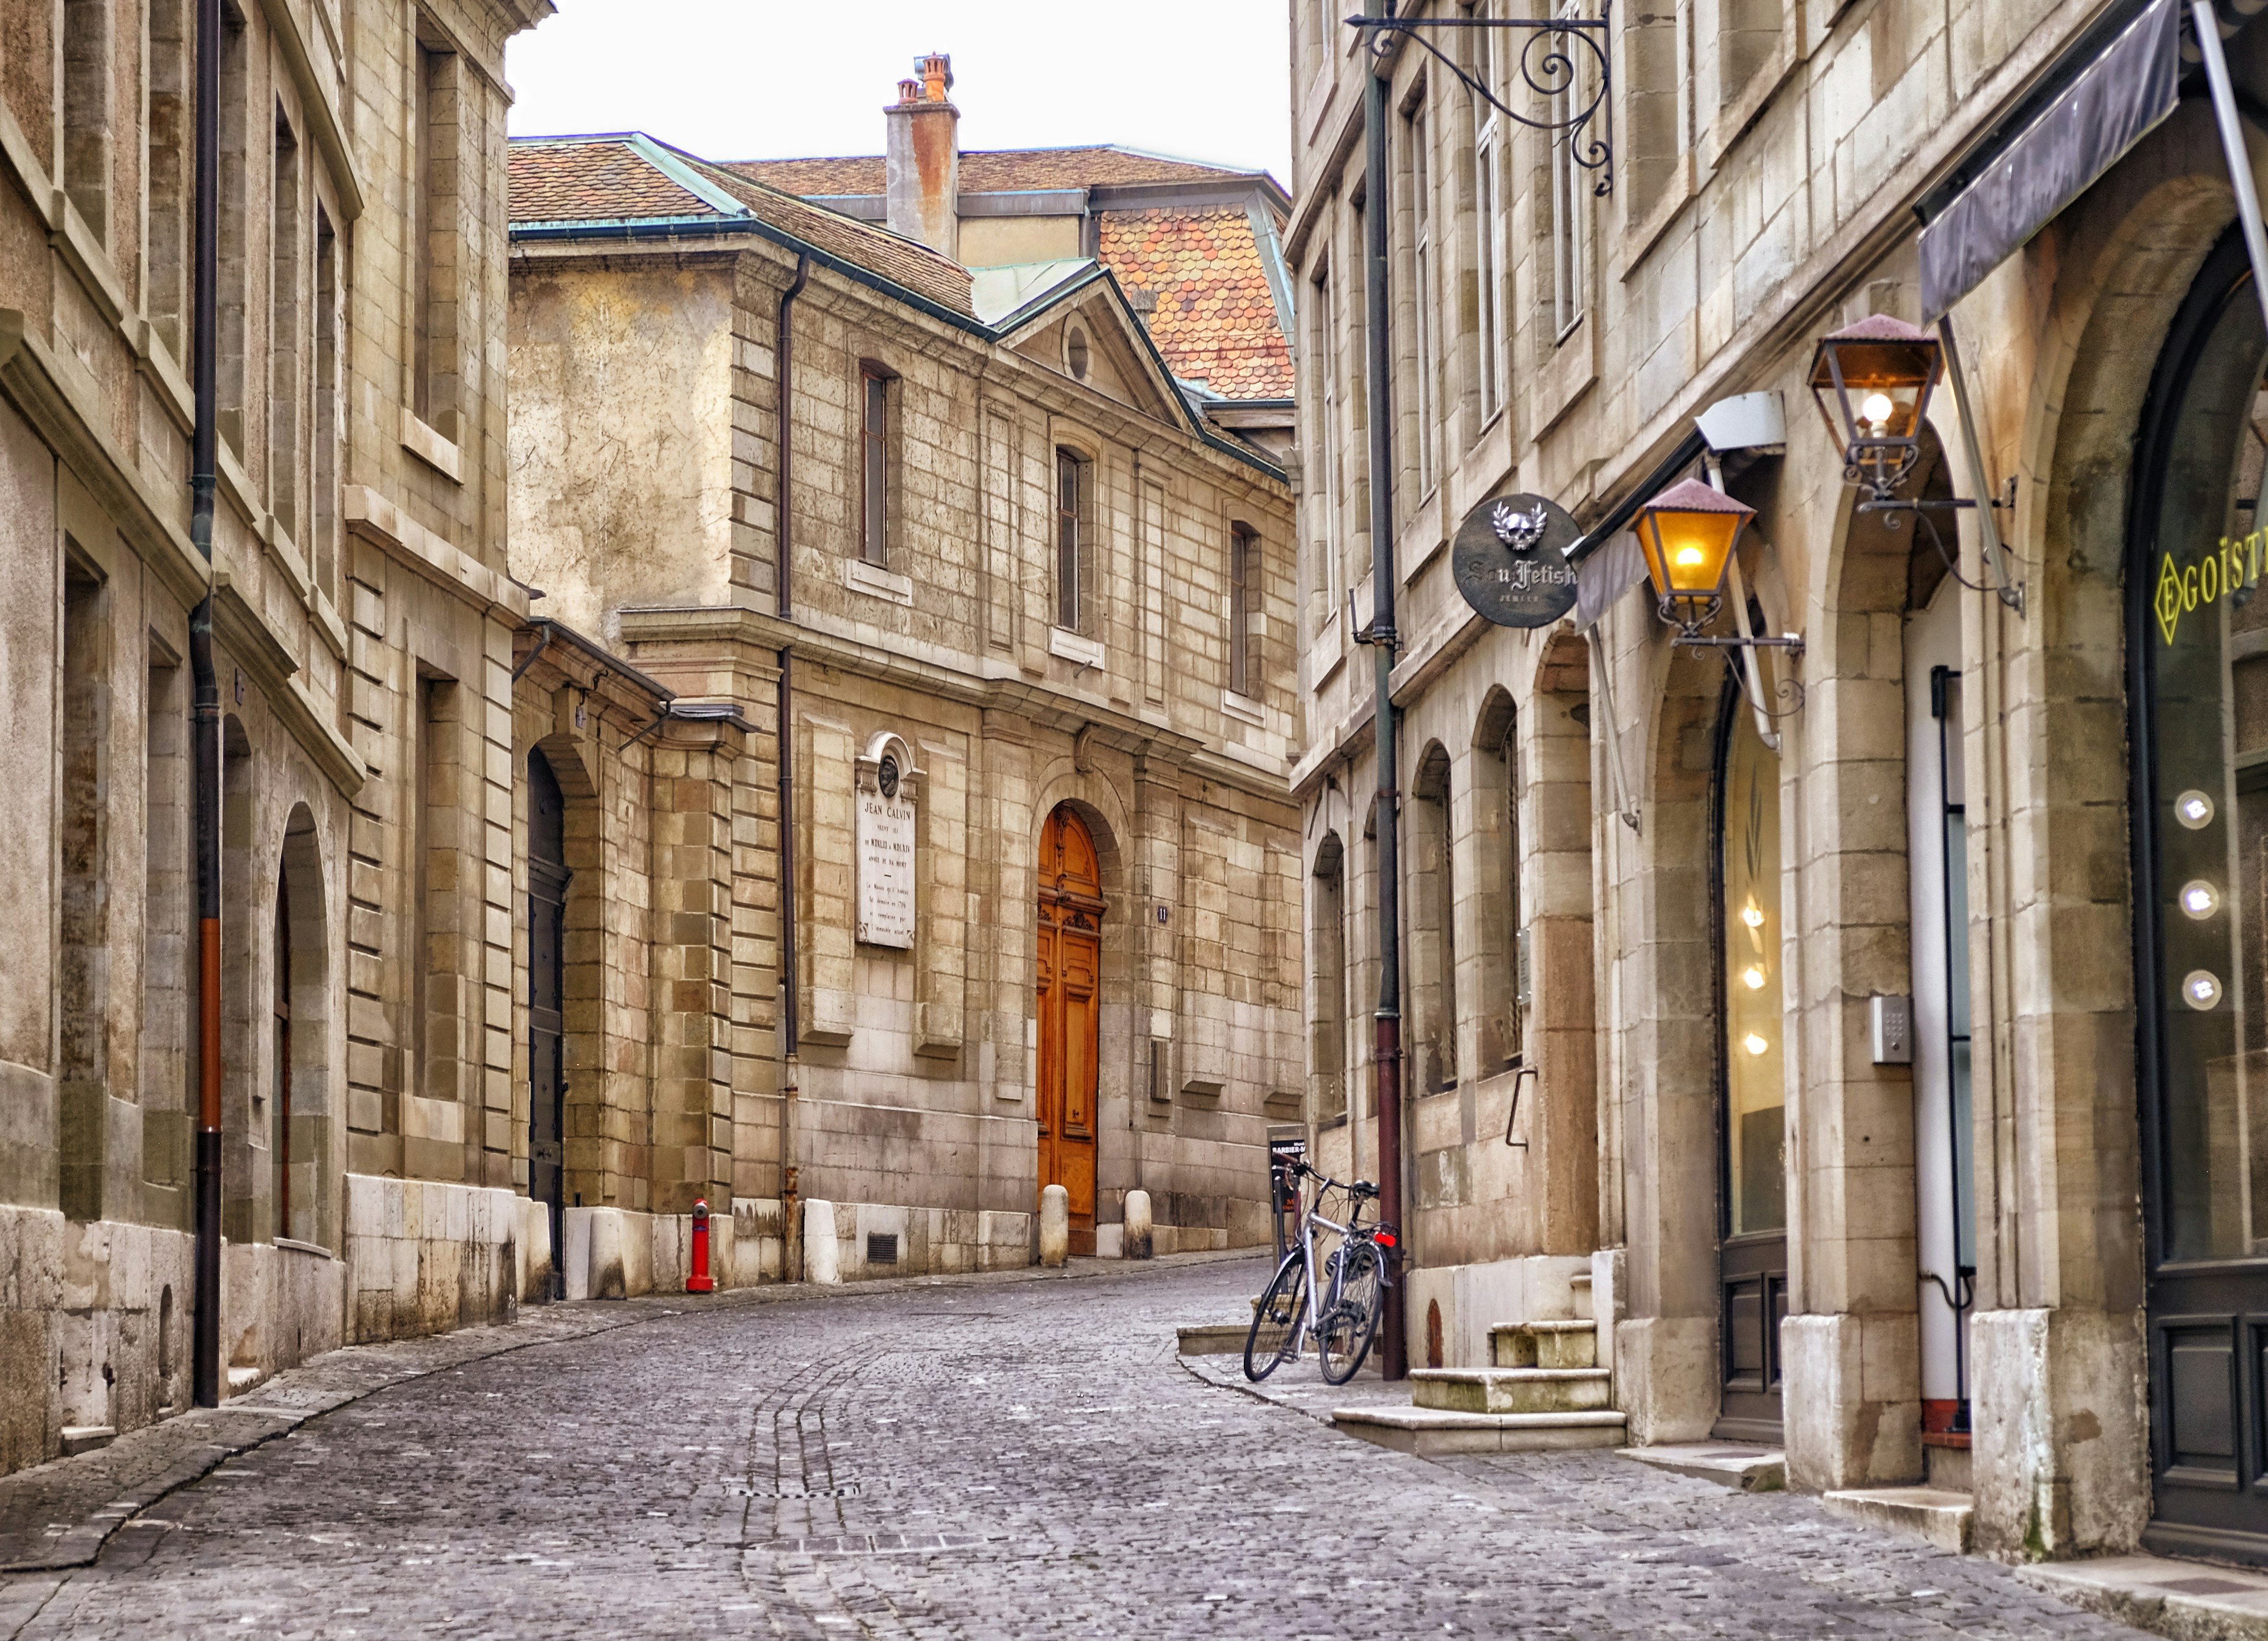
2020,1264
364,634
1022,693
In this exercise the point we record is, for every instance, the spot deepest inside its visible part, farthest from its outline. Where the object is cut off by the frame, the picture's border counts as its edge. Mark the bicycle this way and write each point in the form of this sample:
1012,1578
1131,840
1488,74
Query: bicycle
1354,1279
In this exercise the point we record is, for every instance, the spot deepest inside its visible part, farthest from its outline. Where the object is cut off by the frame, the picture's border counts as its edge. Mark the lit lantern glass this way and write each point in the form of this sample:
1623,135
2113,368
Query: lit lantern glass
2194,810
1872,382
1687,533
2200,899
1754,1043
2200,989
1752,914
1753,977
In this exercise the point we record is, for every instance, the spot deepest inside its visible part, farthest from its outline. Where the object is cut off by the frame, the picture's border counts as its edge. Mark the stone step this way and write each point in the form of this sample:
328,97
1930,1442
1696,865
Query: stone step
1213,1339
1571,1344
1938,1514
1743,1469
2173,1598
1500,1390
1428,1432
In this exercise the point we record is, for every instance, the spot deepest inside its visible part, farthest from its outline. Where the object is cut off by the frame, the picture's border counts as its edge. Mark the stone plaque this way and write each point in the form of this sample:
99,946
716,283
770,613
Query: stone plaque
886,861
1509,559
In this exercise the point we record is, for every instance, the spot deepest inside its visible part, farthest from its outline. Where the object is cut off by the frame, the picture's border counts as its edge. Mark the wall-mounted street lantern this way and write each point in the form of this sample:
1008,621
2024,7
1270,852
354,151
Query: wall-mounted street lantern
1872,381
1687,533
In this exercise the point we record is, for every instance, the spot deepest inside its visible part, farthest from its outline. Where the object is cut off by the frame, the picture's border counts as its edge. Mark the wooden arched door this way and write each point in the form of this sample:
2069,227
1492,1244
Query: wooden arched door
1069,987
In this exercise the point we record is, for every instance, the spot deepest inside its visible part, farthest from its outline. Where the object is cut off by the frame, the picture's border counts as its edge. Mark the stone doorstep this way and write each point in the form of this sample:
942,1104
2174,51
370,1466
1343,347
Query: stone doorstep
2192,1600
1556,1344
78,1438
1508,1390
1937,1514
1429,1431
1213,1339
1743,1469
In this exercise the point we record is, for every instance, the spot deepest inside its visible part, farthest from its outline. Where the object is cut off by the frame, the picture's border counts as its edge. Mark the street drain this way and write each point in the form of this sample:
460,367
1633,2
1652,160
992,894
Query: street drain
789,1489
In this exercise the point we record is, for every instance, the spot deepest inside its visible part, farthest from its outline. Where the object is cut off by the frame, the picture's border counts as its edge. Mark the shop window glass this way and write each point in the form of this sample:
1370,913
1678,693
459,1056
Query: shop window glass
1755,1089
2206,636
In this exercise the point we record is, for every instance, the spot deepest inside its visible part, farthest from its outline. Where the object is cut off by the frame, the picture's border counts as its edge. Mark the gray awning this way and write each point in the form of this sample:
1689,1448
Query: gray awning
1605,576
2129,86
1683,455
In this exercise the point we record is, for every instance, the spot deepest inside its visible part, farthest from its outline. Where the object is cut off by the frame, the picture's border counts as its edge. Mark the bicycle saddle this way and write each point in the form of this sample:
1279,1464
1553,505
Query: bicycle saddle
1363,1188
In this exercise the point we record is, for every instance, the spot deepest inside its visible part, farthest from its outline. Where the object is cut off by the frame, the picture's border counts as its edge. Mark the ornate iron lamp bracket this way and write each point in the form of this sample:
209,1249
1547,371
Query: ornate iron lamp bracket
1548,59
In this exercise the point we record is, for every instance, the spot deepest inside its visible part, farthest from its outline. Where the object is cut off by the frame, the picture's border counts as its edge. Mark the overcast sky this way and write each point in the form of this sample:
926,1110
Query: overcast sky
767,79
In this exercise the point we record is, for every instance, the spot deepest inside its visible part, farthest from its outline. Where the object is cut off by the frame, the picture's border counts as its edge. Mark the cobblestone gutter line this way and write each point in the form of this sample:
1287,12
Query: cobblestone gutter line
58,1516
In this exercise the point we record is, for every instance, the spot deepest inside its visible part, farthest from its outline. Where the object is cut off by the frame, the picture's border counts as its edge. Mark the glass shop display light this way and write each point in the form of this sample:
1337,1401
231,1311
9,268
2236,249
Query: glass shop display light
1687,533
1872,381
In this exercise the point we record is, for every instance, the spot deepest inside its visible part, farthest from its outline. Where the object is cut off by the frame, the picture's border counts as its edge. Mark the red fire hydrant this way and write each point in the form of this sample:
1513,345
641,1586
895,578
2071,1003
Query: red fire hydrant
700,1281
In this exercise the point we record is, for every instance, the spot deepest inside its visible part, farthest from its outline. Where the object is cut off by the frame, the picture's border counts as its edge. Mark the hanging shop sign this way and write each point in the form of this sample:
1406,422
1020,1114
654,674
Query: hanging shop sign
2230,570
1510,560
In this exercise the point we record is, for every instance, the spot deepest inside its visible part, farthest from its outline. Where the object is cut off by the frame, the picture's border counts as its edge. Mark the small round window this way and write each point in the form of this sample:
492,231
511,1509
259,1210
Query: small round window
1075,352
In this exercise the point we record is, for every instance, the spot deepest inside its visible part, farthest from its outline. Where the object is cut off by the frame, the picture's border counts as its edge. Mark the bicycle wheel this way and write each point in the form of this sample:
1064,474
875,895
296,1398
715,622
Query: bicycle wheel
1343,1336
1275,1334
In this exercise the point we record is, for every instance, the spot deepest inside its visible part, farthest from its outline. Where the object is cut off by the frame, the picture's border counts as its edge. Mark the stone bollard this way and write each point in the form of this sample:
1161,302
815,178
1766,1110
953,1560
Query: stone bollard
1055,1225
1138,1241
823,1258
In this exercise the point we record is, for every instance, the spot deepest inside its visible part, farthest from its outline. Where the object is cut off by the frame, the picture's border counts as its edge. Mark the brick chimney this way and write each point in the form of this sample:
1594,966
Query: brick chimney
925,158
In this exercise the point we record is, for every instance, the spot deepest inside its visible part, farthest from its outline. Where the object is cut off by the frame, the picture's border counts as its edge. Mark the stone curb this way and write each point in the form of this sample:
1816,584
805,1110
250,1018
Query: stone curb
263,1420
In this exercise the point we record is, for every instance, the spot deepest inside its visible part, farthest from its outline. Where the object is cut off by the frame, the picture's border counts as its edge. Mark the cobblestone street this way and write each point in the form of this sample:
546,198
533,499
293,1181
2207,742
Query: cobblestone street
990,1457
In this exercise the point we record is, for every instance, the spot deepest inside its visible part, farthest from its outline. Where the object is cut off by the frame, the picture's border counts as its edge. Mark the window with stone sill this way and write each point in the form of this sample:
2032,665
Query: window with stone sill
167,158
434,242
1570,205
87,113
287,308
1486,64
1418,177
877,384
1323,408
1075,556
233,286
1243,588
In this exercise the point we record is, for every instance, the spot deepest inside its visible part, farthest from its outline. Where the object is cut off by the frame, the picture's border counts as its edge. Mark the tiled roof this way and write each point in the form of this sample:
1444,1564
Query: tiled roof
1215,321
903,262
1007,170
607,178
592,179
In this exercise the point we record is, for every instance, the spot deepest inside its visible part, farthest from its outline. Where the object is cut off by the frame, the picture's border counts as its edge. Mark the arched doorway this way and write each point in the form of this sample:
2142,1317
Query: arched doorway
547,999
1751,1076
2196,644
1068,969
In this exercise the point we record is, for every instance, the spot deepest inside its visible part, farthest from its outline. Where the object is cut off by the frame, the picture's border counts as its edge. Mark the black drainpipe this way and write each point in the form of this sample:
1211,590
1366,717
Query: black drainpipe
205,727
783,560
1378,316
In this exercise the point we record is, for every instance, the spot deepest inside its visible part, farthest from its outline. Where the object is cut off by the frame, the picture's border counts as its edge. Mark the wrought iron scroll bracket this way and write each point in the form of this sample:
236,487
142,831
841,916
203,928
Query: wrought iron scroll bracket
1549,60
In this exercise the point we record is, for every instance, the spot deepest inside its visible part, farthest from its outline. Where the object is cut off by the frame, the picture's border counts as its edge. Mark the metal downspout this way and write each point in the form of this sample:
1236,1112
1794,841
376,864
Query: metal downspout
784,570
205,725
1377,316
